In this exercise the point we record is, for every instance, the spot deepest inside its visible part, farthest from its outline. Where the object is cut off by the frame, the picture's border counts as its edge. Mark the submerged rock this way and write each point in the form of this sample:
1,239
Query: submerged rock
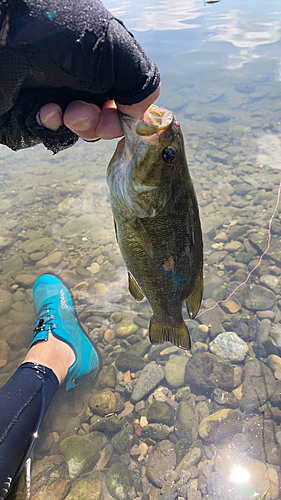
161,458
126,361
190,459
118,481
108,376
49,478
159,412
87,488
174,371
258,385
80,453
103,402
205,371
260,298
150,377
122,441
229,346
221,426
185,422
157,432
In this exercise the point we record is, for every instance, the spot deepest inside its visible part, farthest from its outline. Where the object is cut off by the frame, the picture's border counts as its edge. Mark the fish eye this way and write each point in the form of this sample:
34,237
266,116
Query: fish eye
169,154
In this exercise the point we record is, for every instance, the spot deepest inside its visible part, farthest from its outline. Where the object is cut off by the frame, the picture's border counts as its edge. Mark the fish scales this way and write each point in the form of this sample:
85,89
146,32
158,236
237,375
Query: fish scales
157,222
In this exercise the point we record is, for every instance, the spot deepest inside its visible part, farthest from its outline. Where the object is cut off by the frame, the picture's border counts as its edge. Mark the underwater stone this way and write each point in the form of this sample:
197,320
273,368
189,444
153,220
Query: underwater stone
79,452
118,481
108,424
185,422
122,441
260,298
6,300
49,478
205,371
157,432
126,361
103,402
108,376
159,412
221,425
190,459
88,488
161,458
229,346
150,377
98,438
140,348
258,385
175,370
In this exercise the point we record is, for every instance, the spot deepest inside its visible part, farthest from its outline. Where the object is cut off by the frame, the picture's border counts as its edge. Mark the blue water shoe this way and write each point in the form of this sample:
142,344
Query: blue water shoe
56,314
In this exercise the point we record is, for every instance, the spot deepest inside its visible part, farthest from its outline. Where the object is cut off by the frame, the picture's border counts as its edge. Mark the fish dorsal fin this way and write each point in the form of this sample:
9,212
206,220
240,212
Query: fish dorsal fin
193,301
142,236
177,334
134,288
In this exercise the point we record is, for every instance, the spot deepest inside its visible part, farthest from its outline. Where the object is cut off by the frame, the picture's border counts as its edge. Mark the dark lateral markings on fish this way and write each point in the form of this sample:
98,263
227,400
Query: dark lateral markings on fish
157,221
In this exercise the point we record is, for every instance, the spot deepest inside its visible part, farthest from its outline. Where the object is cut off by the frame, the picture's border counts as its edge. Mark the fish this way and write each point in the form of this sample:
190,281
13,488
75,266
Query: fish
156,220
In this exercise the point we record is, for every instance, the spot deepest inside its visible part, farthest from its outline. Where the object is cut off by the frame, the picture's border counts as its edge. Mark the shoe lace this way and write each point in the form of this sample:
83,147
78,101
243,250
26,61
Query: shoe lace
45,320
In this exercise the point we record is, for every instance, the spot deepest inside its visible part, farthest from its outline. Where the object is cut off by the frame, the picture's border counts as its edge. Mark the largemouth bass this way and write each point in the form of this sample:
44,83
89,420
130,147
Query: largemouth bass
157,221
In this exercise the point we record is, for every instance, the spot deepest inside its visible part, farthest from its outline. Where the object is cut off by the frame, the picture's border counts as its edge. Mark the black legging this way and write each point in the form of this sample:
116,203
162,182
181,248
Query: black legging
24,400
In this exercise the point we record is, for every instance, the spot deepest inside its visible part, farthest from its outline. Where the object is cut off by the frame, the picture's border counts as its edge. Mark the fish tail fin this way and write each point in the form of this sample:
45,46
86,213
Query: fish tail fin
178,334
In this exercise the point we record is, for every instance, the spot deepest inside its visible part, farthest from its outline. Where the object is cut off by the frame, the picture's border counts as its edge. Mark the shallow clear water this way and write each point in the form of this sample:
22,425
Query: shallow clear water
221,69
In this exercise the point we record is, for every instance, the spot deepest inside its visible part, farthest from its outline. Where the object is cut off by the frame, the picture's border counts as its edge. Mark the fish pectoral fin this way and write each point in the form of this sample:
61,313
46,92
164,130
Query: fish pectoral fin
177,334
134,288
142,236
193,301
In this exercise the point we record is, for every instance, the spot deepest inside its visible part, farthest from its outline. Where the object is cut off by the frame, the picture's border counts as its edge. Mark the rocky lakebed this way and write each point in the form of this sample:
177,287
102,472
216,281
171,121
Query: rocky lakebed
158,422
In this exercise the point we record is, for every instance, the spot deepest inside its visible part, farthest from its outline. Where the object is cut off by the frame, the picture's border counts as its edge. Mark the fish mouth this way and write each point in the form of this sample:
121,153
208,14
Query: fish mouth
155,121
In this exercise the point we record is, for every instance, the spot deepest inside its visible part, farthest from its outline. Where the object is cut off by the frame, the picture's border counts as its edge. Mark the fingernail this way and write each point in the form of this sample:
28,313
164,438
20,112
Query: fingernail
81,124
38,119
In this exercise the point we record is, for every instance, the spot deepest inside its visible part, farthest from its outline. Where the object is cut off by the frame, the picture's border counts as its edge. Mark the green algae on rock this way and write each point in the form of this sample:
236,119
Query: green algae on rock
118,481
103,402
80,453
159,412
87,488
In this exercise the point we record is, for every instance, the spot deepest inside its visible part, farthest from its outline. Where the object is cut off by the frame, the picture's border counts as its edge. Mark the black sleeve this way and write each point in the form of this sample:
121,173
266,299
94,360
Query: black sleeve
54,51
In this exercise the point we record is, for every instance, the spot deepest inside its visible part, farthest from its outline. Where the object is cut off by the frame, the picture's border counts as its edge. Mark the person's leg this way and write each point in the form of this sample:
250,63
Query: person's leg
60,351
24,400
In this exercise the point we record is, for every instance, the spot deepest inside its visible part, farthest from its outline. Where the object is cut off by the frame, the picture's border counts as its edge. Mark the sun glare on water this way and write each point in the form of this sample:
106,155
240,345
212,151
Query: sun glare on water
239,475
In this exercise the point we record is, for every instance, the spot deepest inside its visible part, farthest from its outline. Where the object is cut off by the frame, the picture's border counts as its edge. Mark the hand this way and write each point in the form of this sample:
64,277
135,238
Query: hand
88,120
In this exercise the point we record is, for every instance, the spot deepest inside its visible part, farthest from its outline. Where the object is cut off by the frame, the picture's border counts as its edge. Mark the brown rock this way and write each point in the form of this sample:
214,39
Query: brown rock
232,306
26,280
103,402
109,335
51,260
161,458
49,479
204,372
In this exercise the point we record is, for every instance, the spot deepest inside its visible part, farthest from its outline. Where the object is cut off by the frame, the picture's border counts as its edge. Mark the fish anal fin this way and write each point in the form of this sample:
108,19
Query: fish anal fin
142,236
134,288
193,301
177,334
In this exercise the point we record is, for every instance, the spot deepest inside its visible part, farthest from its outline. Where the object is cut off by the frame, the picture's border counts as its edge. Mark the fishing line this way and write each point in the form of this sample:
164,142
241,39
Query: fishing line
260,259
